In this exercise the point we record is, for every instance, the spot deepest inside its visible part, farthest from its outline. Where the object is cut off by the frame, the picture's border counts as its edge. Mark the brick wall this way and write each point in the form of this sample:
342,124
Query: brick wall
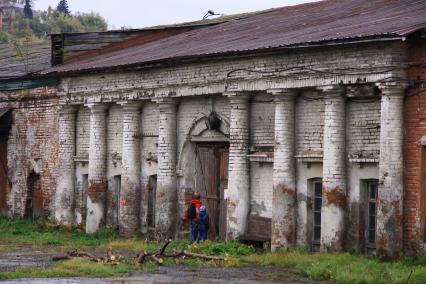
415,128
363,128
309,125
262,121
32,145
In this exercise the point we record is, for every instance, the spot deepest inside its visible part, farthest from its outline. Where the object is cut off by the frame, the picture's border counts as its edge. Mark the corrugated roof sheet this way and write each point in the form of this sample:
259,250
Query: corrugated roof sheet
283,27
32,58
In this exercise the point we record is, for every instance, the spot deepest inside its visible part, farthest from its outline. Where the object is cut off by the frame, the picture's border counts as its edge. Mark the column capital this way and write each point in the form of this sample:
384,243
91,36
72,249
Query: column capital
68,109
97,107
283,94
394,88
130,104
237,97
367,90
332,90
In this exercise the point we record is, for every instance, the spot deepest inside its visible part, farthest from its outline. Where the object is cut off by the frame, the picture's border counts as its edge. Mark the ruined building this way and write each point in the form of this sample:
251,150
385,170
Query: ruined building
301,125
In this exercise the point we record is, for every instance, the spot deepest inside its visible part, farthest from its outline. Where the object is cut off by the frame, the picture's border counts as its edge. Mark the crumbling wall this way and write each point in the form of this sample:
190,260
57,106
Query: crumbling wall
32,146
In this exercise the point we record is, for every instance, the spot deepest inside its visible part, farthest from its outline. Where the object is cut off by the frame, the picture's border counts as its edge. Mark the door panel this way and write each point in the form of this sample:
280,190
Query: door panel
211,180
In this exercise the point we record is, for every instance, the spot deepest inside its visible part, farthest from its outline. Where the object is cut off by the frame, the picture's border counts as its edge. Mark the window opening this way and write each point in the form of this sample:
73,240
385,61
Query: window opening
372,186
316,210
117,190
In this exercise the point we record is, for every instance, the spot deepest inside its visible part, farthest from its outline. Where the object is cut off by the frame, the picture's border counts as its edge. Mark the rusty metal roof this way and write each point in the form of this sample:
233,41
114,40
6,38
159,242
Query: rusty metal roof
291,26
28,59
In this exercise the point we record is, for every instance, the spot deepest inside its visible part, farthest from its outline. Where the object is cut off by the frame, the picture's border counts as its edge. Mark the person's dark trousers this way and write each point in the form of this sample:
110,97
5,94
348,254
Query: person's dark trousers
193,234
202,235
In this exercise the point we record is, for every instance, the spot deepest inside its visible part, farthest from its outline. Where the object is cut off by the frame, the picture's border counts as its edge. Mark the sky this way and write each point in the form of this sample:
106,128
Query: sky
145,13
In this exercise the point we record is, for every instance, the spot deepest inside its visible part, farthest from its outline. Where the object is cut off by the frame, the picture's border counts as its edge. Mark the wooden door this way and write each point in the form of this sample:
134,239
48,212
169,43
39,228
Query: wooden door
34,205
211,180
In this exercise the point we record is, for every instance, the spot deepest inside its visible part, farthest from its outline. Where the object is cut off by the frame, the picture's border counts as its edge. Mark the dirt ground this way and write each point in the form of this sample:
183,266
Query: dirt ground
165,274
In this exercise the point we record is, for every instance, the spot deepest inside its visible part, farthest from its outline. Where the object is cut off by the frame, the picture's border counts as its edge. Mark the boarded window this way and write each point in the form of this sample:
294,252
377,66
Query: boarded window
152,188
84,188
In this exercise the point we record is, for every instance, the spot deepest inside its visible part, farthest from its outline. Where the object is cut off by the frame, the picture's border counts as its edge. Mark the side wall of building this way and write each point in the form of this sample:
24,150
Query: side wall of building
414,151
32,150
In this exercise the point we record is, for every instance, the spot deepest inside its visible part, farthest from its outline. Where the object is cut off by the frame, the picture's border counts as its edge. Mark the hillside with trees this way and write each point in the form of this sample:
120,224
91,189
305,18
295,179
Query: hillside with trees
20,22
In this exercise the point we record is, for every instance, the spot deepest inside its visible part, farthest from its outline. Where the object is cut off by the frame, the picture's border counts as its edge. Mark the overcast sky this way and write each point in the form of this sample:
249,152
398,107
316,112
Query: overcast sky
145,13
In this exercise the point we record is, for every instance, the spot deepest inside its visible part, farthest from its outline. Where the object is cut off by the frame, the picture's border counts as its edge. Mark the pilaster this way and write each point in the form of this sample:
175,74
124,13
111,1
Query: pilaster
64,199
96,194
334,203
131,167
389,228
284,177
237,195
166,196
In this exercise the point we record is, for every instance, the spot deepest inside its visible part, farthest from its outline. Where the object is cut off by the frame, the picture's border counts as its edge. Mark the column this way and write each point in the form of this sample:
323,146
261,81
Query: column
284,193
96,193
64,199
390,195
237,195
334,170
131,167
166,196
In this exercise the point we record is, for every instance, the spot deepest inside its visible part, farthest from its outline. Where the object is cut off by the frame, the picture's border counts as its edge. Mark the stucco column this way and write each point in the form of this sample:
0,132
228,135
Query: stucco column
237,195
166,196
128,219
390,192
64,199
284,177
334,170
96,193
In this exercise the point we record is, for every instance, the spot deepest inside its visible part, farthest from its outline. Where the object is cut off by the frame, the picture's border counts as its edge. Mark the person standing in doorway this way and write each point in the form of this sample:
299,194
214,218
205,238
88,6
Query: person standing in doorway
193,210
202,224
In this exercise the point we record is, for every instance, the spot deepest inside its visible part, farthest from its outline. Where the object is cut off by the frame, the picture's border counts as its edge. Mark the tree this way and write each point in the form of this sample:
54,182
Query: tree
28,12
63,8
92,22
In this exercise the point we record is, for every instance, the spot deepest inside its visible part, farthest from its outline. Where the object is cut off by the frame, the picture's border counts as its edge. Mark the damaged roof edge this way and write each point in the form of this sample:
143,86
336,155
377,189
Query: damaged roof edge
181,59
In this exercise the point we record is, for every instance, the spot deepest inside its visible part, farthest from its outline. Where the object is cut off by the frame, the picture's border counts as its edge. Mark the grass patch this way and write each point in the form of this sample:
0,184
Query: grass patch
71,268
39,233
343,267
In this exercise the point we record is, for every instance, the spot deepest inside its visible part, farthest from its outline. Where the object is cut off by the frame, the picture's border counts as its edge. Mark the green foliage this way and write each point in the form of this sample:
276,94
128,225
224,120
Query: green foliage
92,22
28,12
231,248
51,21
63,8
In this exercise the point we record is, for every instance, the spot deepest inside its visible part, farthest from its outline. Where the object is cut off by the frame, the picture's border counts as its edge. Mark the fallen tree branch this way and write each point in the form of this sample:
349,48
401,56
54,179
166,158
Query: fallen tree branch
139,258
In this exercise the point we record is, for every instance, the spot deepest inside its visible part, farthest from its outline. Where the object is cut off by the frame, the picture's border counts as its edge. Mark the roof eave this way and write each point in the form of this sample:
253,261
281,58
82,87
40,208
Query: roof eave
171,61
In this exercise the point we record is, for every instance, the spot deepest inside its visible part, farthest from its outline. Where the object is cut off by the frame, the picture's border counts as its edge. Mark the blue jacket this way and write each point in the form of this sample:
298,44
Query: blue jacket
202,221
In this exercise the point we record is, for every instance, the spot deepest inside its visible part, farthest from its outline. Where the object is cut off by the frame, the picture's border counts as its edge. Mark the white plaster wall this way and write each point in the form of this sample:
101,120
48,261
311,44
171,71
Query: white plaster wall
261,186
